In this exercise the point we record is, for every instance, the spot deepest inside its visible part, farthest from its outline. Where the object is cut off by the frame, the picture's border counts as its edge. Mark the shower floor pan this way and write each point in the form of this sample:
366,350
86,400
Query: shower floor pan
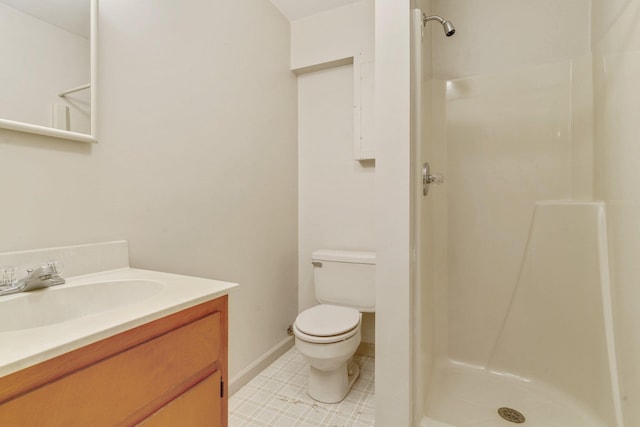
463,396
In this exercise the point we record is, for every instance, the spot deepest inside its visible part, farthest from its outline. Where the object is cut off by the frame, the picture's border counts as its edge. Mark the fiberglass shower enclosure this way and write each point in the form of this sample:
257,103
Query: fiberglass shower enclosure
517,305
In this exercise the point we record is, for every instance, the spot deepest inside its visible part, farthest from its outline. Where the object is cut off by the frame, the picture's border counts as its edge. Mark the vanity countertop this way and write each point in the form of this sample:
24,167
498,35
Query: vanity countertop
24,347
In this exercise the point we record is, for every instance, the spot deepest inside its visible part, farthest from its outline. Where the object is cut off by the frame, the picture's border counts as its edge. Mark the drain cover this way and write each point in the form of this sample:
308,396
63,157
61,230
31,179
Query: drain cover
511,415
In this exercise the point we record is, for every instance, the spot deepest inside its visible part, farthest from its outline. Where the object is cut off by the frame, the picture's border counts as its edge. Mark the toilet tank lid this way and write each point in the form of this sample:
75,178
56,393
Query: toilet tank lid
359,257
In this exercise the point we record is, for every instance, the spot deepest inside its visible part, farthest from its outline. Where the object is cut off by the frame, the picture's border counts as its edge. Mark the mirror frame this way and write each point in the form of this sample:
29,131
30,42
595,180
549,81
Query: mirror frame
65,134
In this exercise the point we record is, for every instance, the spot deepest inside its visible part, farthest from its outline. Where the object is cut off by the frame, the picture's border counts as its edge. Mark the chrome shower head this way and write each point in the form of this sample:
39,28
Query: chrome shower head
449,29
447,26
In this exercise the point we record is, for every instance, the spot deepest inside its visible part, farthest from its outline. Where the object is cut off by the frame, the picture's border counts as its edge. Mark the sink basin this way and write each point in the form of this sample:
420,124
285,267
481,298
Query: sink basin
70,302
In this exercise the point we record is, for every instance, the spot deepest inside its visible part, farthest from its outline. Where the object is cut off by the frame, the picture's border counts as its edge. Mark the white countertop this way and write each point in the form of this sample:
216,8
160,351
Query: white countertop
26,347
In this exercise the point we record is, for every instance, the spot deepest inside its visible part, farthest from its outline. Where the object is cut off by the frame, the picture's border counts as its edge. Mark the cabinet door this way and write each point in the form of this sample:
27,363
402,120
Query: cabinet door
125,388
199,406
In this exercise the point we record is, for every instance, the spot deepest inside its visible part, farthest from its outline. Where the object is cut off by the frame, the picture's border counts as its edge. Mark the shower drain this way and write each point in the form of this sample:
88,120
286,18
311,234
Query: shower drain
511,415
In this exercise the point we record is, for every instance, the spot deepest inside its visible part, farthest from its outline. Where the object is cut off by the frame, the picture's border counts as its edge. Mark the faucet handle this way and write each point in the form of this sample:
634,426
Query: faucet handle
52,269
57,267
55,273
8,276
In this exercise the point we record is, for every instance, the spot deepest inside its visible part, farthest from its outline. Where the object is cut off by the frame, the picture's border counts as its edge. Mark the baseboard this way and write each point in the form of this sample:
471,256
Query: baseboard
366,349
259,365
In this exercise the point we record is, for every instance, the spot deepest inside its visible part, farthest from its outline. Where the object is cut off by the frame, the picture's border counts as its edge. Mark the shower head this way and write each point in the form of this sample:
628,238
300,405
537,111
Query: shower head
449,29
447,26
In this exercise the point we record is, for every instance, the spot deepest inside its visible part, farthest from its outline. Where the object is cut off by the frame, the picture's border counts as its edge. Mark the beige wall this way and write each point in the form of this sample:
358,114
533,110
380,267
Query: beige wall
616,68
197,161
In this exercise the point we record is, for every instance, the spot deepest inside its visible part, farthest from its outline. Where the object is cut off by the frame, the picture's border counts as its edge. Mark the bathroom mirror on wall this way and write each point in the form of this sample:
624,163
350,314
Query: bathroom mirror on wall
48,74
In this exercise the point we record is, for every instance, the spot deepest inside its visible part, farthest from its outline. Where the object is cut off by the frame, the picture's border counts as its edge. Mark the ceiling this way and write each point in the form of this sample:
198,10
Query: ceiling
71,15
296,9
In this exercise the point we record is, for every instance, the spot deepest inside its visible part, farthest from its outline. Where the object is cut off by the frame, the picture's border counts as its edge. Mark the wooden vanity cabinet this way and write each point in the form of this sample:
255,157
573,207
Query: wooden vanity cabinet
169,372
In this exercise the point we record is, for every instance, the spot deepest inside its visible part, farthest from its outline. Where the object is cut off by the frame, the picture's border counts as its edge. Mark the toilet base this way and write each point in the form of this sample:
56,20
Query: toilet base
332,386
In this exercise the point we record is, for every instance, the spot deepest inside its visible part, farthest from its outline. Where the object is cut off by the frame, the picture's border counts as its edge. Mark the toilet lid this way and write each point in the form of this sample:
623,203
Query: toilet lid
326,320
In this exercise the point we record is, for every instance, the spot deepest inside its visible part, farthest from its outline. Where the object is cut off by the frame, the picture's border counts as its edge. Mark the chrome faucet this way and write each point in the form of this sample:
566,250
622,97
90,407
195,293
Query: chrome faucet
36,278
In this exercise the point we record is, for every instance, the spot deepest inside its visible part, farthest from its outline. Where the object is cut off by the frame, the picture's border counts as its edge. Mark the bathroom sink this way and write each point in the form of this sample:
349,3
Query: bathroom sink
71,302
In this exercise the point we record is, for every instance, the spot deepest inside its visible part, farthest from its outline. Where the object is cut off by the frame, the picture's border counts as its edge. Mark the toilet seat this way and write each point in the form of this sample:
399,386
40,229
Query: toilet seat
327,323
324,340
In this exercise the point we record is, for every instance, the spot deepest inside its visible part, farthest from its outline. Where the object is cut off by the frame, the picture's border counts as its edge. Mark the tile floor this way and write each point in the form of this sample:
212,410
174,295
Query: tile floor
277,397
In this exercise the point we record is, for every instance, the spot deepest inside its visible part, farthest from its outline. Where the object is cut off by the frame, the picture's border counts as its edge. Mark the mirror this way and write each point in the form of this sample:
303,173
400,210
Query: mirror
48,74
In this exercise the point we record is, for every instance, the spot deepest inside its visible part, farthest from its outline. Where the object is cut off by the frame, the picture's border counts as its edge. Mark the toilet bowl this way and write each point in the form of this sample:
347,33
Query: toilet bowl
328,337
328,334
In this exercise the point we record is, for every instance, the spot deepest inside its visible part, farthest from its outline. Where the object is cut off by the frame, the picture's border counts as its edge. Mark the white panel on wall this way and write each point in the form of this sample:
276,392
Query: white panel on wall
363,109
351,40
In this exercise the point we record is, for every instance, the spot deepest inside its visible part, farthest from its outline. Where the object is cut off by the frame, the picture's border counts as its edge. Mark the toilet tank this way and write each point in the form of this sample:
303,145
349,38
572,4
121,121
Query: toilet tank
345,278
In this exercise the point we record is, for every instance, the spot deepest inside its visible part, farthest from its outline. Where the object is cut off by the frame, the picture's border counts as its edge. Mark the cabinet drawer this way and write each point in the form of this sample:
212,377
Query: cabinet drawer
126,387
197,407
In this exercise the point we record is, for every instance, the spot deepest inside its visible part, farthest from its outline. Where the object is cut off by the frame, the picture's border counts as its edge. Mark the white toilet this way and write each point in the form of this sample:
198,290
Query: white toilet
328,334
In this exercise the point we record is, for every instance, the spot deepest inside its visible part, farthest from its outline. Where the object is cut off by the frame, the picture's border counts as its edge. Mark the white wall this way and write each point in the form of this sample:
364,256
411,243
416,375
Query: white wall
616,67
336,192
394,346
334,34
197,161
41,60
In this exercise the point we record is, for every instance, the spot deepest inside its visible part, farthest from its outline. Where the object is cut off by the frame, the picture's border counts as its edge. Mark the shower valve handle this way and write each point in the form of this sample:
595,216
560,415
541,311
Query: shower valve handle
428,178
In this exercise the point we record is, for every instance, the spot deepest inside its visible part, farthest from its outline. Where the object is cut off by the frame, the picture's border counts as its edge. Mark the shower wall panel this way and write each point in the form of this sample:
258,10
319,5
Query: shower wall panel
616,49
560,312
509,143
515,127
500,35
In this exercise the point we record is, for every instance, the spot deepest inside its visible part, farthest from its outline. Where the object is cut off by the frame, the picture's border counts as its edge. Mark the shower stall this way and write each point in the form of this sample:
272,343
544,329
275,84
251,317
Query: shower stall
524,278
